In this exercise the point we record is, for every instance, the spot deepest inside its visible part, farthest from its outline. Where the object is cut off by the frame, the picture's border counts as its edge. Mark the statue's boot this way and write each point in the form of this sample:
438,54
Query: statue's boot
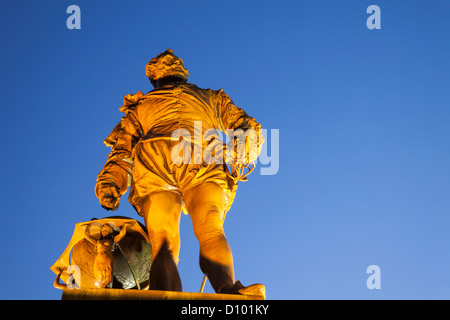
256,289
164,272
220,277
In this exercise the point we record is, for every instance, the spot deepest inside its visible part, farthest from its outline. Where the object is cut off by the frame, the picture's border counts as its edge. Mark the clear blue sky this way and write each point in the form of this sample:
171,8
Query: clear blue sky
363,118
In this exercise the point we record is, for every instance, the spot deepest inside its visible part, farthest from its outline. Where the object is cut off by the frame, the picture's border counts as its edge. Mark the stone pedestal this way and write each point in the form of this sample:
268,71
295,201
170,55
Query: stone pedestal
122,294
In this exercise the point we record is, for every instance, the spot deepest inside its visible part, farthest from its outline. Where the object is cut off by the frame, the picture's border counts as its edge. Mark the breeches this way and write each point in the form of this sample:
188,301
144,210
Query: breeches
154,171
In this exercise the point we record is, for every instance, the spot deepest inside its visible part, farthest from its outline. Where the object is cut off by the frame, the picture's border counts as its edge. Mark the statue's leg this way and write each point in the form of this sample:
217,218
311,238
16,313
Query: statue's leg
162,212
205,204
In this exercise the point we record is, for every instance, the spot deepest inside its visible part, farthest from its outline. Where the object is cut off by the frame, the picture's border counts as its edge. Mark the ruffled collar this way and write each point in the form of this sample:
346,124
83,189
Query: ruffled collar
131,100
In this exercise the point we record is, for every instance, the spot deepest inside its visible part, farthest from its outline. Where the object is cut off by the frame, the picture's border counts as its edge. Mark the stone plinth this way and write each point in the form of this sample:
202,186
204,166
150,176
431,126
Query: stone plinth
122,294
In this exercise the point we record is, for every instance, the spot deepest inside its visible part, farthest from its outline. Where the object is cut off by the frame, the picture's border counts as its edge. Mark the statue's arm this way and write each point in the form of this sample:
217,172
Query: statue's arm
231,116
122,233
234,118
57,284
112,181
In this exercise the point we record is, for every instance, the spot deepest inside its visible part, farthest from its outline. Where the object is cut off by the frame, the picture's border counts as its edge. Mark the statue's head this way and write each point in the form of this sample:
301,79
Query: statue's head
166,64
106,230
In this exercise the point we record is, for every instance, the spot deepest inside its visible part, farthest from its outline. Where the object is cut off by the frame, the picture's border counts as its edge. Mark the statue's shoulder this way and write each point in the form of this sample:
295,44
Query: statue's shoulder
209,91
194,87
130,101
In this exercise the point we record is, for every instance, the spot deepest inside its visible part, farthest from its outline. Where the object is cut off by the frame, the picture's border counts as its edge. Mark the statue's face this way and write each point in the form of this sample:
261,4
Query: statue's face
169,59
173,63
106,231
164,65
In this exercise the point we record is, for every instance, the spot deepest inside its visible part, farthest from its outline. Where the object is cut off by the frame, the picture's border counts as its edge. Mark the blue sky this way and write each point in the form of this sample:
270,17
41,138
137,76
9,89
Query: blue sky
363,118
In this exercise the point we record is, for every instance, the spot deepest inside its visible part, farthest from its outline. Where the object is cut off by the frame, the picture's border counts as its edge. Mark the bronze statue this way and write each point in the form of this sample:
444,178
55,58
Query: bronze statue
146,145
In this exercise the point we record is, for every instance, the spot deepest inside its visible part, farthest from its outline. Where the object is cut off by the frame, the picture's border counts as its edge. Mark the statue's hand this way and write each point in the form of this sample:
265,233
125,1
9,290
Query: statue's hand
244,150
109,196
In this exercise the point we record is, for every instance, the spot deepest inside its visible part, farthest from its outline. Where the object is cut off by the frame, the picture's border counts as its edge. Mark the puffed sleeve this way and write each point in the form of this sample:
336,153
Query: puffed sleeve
122,140
231,117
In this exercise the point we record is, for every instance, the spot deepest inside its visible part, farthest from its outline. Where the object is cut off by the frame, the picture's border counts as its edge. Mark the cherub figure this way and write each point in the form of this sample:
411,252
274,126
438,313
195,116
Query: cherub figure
103,261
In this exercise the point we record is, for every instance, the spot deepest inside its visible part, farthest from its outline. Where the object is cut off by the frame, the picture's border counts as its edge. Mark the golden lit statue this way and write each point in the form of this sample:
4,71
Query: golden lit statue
146,146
